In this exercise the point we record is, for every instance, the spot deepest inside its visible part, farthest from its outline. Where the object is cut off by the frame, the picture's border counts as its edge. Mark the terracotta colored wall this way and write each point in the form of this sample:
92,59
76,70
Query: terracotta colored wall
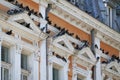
71,28
3,8
110,49
30,3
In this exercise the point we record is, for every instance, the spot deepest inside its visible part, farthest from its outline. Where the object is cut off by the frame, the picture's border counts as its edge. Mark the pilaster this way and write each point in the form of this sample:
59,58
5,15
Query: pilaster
36,65
50,70
64,72
74,75
98,75
42,9
16,60
43,48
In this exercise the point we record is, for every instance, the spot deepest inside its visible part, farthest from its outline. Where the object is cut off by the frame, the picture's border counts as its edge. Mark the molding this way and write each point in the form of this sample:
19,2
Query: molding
37,55
5,65
86,57
25,72
62,8
57,61
116,66
109,72
44,3
78,70
8,4
11,41
20,30
111,75
51,28
98,51
18,48
26,18
68,48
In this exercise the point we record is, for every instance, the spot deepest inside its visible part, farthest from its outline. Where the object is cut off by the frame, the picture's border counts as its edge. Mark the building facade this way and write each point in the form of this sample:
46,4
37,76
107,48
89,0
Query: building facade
59,40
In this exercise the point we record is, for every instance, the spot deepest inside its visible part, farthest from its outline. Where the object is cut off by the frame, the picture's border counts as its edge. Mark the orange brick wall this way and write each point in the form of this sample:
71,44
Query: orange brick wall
71,28
110,49
30,3
3,8
70,67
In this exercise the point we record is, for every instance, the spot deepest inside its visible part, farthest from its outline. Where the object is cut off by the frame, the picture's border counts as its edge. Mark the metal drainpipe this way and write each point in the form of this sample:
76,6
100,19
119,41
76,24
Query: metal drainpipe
46,15
93,49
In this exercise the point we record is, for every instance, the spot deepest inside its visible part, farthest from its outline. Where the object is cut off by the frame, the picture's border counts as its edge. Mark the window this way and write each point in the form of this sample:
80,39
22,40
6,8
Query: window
4,74
55,74
5,69
24,61
5,54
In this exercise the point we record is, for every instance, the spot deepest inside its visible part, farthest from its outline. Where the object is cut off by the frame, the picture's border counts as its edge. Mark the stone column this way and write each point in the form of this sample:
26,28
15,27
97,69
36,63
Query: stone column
36,56
43,48
16,60
50,71
98,74
64,73
33,63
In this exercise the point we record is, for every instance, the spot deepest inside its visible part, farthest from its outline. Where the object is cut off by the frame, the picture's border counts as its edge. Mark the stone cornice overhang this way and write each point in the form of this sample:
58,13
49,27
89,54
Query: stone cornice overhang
85,22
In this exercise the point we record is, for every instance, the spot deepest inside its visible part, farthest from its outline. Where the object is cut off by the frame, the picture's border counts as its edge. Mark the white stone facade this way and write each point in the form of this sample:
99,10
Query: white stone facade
30,51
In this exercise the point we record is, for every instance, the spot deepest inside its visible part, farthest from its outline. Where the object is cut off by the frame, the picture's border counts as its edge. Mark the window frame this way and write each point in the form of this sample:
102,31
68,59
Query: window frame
77,73
5,65
24,73
57,63
24,63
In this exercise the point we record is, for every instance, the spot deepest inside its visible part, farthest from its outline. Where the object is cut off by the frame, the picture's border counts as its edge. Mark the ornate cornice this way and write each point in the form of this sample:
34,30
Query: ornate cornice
85,22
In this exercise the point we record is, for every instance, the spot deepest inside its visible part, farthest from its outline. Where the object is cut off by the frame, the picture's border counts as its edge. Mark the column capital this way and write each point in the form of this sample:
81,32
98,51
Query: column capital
50,62
18,48
36,55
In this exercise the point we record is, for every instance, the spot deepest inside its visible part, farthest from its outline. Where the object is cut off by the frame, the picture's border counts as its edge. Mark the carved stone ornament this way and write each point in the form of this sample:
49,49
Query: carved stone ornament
36,55
18,48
